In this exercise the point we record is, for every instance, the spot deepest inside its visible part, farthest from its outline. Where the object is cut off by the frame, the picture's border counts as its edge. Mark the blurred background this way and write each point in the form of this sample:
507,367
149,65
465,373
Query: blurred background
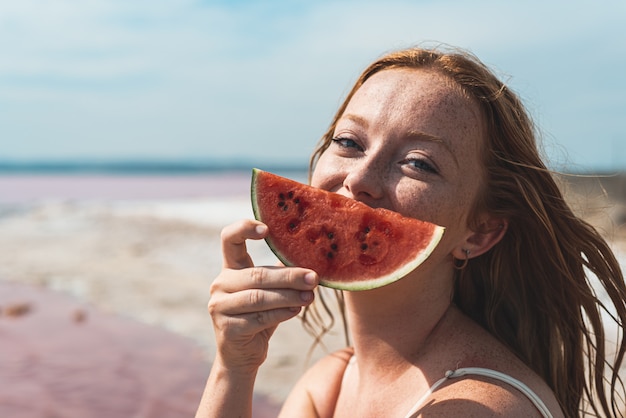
127,133
248,82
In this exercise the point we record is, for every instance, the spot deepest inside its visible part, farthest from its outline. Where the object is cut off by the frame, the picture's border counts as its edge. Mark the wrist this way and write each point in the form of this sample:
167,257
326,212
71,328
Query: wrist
236,370
229,391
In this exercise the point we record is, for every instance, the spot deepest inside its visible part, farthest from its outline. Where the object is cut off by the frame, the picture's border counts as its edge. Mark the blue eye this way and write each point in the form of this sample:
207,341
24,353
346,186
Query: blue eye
421,164
346,143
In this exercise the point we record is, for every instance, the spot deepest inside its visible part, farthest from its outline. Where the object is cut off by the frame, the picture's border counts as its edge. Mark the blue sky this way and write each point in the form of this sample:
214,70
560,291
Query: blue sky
260,80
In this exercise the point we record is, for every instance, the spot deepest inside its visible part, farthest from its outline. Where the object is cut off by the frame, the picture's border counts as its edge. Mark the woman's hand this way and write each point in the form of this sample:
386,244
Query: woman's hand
247,302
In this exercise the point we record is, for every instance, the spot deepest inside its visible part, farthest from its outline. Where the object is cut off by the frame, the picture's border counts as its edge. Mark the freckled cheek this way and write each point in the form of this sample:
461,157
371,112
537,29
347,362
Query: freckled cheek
436,213
328,174
443,213
443,209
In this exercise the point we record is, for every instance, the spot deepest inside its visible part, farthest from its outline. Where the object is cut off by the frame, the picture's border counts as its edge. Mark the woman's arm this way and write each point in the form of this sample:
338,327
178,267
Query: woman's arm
247,303
226,391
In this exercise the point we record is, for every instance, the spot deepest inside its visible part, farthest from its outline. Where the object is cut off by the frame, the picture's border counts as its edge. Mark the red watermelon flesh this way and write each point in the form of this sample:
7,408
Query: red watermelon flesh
349,244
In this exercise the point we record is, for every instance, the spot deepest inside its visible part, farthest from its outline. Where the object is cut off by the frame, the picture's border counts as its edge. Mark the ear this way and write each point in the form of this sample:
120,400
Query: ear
490,232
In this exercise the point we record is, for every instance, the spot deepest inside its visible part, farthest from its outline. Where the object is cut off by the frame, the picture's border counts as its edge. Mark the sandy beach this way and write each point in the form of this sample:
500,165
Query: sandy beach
139,254
132,250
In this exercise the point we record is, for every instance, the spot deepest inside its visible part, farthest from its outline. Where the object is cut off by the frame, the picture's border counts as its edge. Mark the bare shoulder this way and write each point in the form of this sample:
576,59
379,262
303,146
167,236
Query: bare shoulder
315,394
475,348
480,396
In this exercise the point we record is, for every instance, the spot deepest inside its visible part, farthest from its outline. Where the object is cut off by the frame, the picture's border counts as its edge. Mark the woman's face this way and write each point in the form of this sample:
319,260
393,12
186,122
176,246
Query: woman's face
408,141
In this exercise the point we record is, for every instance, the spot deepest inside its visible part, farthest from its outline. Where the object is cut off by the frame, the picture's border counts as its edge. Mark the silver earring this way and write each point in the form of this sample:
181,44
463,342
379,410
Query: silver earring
463,263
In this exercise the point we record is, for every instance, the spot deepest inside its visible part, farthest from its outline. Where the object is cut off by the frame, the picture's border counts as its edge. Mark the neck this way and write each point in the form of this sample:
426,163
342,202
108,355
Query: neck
393,324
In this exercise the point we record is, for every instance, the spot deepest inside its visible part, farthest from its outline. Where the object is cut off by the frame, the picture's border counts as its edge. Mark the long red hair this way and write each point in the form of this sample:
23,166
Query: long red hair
532,291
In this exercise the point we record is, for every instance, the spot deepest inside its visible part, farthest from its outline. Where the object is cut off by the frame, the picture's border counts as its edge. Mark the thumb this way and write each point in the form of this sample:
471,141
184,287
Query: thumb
234,250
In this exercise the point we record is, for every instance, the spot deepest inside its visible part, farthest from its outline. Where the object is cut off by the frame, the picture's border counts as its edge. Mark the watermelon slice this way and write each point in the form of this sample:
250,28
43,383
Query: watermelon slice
349,244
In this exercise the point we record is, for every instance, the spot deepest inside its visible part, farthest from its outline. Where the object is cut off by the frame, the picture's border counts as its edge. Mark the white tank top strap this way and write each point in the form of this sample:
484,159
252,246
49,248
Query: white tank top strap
451,374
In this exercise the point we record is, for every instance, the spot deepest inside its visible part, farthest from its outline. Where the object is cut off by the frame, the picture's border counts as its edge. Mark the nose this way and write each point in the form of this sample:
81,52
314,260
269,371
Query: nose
365,183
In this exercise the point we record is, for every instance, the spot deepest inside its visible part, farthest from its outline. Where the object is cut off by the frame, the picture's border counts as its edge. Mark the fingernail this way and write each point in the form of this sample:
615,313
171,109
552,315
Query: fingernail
260,229
309,278
306,296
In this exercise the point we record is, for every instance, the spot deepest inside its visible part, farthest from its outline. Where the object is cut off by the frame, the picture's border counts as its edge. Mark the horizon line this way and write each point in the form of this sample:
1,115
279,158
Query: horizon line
190,166
141,166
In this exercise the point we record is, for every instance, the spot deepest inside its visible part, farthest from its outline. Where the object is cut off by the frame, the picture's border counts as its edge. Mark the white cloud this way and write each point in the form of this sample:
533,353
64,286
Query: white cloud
163,77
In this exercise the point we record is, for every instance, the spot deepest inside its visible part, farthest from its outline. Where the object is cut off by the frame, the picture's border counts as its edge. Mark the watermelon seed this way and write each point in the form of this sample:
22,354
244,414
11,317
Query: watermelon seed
281,203
290,194
281,196
364,247
333,247
296,200
366,230
329,255
331,235
285,207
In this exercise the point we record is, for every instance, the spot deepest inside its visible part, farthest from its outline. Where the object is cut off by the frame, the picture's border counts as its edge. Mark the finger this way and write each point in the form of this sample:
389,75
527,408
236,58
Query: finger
258,300
234,236
254,322
267,277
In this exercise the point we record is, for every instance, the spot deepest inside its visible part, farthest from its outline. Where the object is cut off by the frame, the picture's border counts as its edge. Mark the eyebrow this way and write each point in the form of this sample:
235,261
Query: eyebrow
355,118
424,136
419,135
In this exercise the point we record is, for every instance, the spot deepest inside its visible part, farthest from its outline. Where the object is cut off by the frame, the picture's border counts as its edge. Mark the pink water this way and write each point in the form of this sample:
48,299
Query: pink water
61,358
25,188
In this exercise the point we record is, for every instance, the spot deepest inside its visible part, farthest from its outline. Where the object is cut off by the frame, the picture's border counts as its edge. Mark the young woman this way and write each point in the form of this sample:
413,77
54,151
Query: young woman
501,320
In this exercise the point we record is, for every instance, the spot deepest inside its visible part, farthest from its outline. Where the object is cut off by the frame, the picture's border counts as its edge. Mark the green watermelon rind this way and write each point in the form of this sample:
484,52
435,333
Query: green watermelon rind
367,284
393,276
